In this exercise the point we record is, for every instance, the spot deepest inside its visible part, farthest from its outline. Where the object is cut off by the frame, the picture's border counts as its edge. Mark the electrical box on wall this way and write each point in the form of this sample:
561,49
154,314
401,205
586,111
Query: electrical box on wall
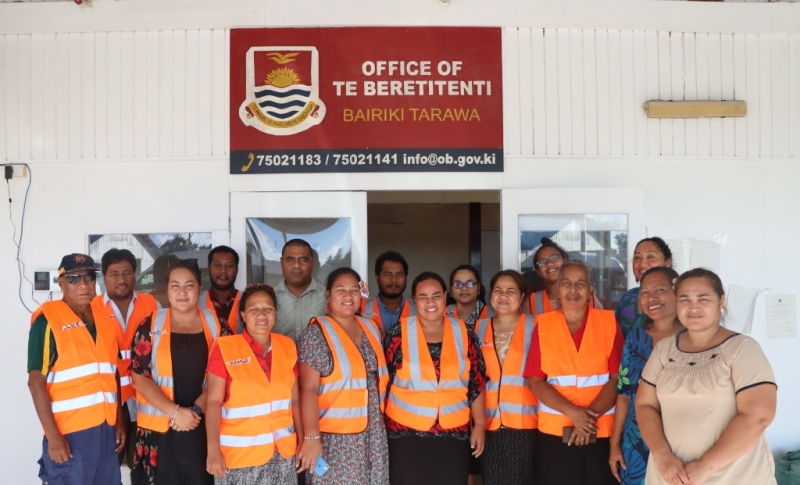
45,280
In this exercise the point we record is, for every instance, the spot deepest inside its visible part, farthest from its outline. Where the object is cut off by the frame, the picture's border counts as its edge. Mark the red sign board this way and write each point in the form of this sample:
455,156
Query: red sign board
368,99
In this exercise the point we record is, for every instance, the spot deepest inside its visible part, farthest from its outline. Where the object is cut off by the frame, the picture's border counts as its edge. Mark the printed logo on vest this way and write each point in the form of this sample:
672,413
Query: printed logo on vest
282,90
158,333
239,361
487,344
70,326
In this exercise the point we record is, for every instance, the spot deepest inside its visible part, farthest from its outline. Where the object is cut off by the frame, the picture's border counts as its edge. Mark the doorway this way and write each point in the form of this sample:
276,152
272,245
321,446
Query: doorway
435,231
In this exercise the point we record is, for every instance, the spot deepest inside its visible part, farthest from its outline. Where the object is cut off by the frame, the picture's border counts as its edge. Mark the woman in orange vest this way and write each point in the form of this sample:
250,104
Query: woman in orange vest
572,369
437,378
511,419
253,398
468,296
342,382
170,354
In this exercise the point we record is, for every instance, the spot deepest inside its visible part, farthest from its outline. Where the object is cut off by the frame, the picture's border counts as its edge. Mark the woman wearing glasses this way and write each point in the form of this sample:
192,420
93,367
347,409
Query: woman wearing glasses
342,382
547,260
469,295
649,253
170,353
253,399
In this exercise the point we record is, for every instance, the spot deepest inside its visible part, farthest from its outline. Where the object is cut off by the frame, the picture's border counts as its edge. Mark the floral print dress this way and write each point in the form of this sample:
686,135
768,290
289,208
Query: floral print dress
627,312
172,458
637,349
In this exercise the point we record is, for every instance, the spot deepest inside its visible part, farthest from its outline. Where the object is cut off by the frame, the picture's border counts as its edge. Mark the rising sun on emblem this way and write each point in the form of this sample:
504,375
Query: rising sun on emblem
282,77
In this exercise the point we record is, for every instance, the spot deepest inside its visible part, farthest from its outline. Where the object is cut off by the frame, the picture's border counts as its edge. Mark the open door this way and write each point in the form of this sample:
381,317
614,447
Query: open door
333,223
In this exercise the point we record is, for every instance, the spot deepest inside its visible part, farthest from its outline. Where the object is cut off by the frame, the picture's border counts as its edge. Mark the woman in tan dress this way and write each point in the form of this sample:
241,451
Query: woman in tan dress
706,397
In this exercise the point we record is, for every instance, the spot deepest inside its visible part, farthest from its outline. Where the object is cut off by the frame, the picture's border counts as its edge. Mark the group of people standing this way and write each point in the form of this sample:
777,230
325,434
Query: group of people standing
320,384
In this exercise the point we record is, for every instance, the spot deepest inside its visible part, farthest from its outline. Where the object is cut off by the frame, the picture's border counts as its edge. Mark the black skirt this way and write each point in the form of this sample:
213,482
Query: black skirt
417,460
559,464
510,457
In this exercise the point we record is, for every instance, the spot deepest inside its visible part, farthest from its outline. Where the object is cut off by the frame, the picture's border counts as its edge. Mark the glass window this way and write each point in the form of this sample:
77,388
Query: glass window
599,239
151,252
329,239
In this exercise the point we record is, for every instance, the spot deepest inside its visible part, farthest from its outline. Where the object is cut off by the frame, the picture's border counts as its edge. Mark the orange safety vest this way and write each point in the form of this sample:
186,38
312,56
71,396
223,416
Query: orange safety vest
371,311
540,303
416,399
508,400
343,395
233,317
143,305
148,417
577,375
83,381
486,312
257,415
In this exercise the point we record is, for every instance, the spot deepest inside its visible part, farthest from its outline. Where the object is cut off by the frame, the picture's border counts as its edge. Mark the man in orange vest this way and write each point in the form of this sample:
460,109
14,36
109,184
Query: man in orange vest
223,298
124,309
73,379
386,309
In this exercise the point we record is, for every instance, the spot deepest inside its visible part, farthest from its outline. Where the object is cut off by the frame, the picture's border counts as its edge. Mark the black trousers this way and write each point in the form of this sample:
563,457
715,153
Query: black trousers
126,453
559,464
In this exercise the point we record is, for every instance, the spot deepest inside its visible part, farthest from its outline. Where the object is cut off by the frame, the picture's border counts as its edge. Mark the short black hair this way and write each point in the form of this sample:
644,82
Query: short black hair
392,256
223,249
425,276
114,256
301,243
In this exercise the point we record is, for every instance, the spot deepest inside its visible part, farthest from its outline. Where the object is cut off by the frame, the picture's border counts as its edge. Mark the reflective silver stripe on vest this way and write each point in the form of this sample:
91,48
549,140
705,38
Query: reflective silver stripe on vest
547,409
164,381
492,412
382,369
281,404
125,354
413,351
415,386
342,384
513,380
245,441
460,351
591,381
343,413
340,356
211,320
515,408
410,408
493,386
83,401
453,408
564,381
124,381
202,302
538,298
369,308
246,411
81,371
284,432
451,310
150,410
158,329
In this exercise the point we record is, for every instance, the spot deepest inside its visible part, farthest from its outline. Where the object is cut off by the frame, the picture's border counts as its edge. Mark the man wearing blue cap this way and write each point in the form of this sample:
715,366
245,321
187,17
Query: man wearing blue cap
73,379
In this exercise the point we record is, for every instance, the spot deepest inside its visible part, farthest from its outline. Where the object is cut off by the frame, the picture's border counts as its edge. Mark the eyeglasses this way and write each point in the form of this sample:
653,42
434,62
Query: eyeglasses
469,284
74,279
553,258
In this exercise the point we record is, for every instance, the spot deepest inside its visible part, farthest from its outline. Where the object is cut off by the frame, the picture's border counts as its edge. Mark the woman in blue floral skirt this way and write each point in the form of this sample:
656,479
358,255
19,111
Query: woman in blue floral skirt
628,457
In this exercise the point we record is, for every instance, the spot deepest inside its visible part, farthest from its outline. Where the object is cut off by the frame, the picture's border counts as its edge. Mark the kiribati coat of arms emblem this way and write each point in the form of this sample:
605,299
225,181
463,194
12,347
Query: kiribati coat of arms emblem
282,90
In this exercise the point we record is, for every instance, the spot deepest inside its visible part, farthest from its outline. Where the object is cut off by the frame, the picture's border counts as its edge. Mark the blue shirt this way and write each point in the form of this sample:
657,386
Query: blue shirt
390,318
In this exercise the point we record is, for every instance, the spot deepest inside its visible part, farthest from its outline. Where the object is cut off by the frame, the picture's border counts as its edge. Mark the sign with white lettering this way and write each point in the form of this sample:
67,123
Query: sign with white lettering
366,99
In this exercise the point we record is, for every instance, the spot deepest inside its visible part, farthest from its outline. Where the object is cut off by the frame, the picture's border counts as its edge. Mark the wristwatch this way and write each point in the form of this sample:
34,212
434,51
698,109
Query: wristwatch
197,410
